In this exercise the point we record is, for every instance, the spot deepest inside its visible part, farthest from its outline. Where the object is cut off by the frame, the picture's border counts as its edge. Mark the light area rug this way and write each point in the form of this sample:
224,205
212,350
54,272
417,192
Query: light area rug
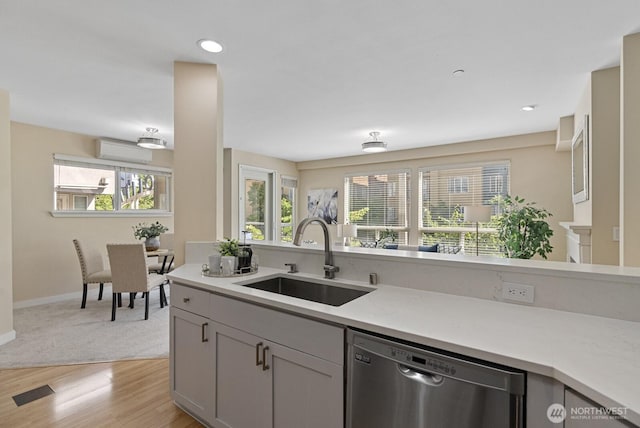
61,333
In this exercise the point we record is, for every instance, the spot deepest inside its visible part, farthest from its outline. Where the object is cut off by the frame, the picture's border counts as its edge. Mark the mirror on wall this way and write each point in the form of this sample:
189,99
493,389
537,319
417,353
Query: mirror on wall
580,162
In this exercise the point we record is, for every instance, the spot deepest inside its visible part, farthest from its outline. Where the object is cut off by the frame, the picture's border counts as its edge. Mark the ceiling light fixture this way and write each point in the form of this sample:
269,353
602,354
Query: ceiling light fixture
151,140
374,146
210,45
530,107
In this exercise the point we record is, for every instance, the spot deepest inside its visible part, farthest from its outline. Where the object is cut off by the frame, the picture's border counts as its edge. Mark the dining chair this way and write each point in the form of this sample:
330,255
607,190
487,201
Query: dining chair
130,275
162,264
93,270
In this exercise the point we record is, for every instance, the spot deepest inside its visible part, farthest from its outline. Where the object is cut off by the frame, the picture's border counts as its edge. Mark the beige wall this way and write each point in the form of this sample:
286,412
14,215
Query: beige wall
582,210
6,285
605,164
198,156
538,174
630,152
232,160
44,259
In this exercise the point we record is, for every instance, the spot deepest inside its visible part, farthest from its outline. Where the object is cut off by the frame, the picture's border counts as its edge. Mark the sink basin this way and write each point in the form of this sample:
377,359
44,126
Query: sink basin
314,291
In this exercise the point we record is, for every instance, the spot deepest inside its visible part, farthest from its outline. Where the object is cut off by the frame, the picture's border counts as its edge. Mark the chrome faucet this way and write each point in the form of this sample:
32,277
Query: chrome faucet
329,269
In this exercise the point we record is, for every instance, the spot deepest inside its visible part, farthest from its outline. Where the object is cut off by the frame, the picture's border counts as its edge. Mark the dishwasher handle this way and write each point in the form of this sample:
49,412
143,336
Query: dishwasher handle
425,378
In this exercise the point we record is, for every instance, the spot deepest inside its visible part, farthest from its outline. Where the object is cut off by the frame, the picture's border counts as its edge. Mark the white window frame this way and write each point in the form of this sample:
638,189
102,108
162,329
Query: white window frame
400,229
456,229
294,203
116,165
269,176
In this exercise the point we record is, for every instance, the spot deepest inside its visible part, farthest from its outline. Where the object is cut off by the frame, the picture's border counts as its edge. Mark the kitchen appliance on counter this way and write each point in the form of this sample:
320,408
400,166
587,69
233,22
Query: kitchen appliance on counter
397,384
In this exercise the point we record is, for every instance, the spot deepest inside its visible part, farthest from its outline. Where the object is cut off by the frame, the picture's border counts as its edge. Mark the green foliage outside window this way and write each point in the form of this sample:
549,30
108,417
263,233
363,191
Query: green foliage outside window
286,212
104,202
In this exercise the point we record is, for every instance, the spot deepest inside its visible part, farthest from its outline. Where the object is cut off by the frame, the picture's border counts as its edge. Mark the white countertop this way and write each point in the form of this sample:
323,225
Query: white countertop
598,357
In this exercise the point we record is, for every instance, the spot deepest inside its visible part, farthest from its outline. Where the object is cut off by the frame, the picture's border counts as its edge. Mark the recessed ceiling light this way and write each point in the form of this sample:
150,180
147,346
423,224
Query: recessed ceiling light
210,46
530,107
458,73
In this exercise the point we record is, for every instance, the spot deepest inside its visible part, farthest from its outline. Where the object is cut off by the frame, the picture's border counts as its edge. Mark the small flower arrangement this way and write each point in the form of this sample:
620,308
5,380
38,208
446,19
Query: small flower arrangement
144,231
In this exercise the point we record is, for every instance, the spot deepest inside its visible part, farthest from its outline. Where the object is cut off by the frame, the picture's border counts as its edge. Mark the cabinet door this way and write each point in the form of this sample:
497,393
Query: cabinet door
191,363
307,391
242,385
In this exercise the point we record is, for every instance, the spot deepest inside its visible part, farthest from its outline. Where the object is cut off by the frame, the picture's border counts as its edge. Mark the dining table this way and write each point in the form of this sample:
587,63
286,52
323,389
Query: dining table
167,256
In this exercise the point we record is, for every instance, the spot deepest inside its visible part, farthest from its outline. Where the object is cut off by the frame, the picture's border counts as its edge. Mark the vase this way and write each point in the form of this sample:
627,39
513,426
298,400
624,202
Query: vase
152,244
228,265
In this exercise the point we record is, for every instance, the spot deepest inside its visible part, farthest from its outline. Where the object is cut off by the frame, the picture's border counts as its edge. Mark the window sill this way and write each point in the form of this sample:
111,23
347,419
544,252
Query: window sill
112,214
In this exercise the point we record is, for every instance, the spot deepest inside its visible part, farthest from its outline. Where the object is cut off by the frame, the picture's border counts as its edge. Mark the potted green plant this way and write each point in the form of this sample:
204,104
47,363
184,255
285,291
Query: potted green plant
150,233
523,230
229,249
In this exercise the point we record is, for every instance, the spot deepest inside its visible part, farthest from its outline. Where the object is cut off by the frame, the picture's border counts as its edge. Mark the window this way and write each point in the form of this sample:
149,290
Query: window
458,184
91,186
288,187
377,202
446,190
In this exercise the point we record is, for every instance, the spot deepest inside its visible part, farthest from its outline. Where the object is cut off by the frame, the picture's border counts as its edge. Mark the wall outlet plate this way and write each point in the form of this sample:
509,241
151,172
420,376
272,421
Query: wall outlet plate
517,292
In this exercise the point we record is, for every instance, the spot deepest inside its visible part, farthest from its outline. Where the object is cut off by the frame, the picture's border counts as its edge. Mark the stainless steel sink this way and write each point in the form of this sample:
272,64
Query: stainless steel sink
314,291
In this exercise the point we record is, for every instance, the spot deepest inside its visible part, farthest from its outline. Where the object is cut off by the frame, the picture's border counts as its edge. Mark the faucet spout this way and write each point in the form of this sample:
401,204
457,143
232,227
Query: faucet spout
329,268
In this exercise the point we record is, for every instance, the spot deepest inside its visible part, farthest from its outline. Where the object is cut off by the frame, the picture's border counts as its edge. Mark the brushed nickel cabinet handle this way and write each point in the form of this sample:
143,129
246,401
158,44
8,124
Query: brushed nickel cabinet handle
258,346
265,366
204,335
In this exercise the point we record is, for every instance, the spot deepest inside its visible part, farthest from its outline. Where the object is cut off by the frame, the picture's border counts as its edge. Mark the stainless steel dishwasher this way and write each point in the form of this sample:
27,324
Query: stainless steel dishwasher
401,385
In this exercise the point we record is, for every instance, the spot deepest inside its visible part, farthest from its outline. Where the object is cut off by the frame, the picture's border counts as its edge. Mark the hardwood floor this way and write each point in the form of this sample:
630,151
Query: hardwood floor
132,394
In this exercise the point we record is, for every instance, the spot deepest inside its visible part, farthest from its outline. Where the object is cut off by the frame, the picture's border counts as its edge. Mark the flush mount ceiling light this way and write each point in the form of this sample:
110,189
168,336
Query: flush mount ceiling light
151,140
374,146
530,107
210,45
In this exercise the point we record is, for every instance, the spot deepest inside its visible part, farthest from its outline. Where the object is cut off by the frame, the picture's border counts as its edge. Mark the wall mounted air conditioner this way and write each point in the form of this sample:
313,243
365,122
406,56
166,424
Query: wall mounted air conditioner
122,151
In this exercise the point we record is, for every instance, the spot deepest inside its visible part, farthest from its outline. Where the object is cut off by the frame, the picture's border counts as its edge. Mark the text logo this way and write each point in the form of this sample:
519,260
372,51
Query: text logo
556,413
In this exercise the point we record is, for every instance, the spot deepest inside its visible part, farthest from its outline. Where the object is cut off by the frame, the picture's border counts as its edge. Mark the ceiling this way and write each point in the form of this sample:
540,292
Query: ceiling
310,79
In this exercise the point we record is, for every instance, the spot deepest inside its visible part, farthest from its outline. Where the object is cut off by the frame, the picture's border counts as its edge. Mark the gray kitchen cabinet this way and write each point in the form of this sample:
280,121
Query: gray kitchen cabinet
191,352
242,384
239,365
265,384
191,363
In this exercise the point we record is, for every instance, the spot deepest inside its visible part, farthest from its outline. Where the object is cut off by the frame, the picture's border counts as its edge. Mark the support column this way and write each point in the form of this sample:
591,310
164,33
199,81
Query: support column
198,155
7,333
630,151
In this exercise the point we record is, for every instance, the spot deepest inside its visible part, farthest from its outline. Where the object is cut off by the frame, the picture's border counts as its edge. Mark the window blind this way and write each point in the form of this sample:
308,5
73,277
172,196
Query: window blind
378,201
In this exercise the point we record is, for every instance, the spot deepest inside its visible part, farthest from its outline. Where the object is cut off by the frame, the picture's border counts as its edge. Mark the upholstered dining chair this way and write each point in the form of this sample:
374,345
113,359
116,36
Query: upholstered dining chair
129,274
93,270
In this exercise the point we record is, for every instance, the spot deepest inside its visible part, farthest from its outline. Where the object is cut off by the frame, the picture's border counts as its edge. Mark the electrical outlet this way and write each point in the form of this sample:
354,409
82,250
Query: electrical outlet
517,292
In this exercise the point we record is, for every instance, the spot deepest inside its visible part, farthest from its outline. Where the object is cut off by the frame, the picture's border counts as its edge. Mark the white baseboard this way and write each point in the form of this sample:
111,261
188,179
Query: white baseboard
92,293
7,337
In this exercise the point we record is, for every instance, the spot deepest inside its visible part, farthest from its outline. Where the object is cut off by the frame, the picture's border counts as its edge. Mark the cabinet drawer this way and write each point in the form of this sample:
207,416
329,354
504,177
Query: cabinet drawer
312,337
190,299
